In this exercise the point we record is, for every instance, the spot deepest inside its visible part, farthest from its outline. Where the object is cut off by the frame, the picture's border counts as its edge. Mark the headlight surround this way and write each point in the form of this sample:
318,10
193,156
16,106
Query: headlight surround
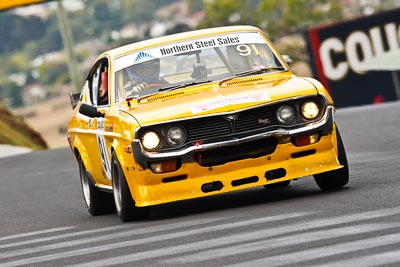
151,140
309,109
286,114
176,135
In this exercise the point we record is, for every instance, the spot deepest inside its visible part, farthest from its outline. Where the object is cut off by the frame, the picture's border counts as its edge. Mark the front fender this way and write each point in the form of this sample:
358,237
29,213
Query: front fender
81,152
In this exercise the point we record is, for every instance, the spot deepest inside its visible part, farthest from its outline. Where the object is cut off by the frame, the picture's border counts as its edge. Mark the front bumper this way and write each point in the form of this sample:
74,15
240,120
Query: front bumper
191,180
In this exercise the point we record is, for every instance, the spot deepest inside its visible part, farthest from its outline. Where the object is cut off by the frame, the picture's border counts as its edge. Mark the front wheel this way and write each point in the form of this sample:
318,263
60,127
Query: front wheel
337,178
97,202
124,203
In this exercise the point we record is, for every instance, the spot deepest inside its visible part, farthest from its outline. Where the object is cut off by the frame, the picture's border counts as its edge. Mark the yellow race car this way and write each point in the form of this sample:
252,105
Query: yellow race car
196,114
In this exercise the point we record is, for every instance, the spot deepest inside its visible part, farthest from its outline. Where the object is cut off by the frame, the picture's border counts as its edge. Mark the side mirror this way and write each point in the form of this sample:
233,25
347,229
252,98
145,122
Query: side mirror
90,111
74,98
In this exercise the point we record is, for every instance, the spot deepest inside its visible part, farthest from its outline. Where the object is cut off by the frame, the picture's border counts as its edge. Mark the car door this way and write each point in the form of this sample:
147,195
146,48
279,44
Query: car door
96,140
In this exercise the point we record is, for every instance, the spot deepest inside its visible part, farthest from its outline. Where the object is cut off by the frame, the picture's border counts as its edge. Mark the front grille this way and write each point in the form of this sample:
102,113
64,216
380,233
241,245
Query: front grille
221,126
231,126
252,119
205,128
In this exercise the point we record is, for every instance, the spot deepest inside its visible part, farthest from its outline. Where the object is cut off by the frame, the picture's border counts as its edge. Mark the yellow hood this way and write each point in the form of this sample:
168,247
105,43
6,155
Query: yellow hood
213,98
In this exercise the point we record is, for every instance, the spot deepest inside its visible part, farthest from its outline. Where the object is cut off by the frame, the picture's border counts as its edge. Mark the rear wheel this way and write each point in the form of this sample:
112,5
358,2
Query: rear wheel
97,202
337,178
124,203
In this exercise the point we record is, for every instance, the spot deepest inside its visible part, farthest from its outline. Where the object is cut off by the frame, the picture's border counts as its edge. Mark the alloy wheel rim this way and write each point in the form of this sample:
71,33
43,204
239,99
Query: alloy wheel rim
116,188
85,185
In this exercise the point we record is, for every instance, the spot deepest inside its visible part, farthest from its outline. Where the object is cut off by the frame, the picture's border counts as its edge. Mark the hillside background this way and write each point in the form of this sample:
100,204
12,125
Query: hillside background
35,80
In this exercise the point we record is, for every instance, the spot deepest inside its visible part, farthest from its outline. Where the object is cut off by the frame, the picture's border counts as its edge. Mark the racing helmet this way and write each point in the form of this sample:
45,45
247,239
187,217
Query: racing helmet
238,62
145,72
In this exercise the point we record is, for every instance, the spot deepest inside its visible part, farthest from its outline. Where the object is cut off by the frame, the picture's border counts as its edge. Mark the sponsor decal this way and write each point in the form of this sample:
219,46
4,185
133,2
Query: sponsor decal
110,128
212,42
358,60
142,57
360,50
188,46
229,101
101,142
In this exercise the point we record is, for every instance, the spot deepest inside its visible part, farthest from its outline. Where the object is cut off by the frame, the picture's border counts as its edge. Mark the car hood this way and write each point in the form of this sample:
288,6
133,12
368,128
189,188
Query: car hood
213,98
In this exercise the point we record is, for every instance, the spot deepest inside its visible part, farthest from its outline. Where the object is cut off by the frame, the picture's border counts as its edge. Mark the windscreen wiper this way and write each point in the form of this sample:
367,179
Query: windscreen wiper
181,85
165,88
250,72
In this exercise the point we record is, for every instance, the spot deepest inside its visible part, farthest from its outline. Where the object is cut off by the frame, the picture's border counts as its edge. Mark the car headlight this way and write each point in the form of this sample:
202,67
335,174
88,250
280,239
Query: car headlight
176,135
151,140
286,114
309,109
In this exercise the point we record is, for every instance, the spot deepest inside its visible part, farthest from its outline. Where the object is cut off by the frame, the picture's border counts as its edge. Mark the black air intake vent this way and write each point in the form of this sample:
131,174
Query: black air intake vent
244,81
161,97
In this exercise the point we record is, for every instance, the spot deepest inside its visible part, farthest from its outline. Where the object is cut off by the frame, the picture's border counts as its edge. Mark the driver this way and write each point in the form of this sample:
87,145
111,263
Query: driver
144,76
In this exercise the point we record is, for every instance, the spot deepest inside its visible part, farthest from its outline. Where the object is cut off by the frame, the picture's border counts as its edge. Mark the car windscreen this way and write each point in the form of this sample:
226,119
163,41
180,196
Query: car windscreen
189,62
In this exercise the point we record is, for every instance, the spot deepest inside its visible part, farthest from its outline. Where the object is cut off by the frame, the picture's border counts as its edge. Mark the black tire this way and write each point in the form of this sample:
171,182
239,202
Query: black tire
124,203
337,178
277,185
97,202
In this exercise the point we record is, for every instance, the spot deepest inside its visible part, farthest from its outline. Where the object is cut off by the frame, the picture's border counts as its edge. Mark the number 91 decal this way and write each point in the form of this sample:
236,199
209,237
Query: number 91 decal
243,50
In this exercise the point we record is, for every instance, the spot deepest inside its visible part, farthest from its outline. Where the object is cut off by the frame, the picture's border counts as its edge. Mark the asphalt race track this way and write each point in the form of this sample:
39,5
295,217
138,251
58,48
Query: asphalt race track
43,221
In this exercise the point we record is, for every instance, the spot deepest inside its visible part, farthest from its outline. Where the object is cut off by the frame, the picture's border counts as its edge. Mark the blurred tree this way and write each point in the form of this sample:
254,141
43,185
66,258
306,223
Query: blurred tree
17,62
15,93
228,12
12,92
195,6
106,17
141,11
52,40
276,17
270,19
23,30
283,17
180,27
53,73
